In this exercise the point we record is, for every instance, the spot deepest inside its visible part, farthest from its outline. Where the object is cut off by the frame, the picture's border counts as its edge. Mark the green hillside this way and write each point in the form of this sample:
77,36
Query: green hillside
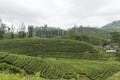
93,40
113,26
50,68
49,48
92,32
47,68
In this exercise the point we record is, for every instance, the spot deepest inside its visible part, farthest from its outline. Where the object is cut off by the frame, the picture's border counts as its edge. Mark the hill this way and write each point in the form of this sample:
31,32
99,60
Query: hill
50,48
113,26
90,31
46,68
64,69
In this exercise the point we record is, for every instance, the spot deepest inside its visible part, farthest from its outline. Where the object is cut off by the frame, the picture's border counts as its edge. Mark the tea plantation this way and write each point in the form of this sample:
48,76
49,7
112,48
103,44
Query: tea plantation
54,59
63,48
50,68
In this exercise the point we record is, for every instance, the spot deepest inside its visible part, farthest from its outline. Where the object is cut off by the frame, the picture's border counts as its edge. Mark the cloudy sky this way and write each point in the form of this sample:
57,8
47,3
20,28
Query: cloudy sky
60,13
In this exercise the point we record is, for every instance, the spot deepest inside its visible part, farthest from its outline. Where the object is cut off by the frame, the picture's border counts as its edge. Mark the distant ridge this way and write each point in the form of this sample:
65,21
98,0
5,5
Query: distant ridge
113,26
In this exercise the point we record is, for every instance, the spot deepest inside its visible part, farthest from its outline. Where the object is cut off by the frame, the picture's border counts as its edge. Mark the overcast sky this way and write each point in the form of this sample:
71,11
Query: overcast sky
60,13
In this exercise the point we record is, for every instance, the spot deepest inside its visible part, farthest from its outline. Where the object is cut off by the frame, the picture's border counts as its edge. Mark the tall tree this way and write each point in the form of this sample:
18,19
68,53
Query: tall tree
72,33
12,31
30,31
45,31
22,30
2,28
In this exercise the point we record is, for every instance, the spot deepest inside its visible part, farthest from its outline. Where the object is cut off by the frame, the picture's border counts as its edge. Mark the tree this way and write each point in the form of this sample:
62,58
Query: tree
30,31
2,29
46,30
85,38
115,37
72,33
12,31
22,29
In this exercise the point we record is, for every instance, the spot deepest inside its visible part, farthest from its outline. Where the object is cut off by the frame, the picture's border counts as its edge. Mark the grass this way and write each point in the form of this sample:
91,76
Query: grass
7,76
115,76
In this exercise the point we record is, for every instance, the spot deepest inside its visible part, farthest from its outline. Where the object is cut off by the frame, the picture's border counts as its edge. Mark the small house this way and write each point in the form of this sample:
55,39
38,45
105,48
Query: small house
111,51
111,48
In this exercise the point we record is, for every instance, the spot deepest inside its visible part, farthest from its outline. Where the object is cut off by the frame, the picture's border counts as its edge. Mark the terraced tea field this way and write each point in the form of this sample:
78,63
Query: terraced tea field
62,68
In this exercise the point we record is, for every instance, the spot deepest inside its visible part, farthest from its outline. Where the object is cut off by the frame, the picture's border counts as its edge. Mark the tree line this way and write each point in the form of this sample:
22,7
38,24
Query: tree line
29,31
21,32
48,32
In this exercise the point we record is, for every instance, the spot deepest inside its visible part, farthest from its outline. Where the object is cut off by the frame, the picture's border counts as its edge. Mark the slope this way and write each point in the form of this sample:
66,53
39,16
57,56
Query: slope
50,68
50,48
113,26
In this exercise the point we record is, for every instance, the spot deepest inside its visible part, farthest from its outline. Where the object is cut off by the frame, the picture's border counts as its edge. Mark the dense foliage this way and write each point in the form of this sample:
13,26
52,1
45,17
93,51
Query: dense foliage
50,48
92,31
75,34
47,68
48,32
62,68
9,68
94,40
7,76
